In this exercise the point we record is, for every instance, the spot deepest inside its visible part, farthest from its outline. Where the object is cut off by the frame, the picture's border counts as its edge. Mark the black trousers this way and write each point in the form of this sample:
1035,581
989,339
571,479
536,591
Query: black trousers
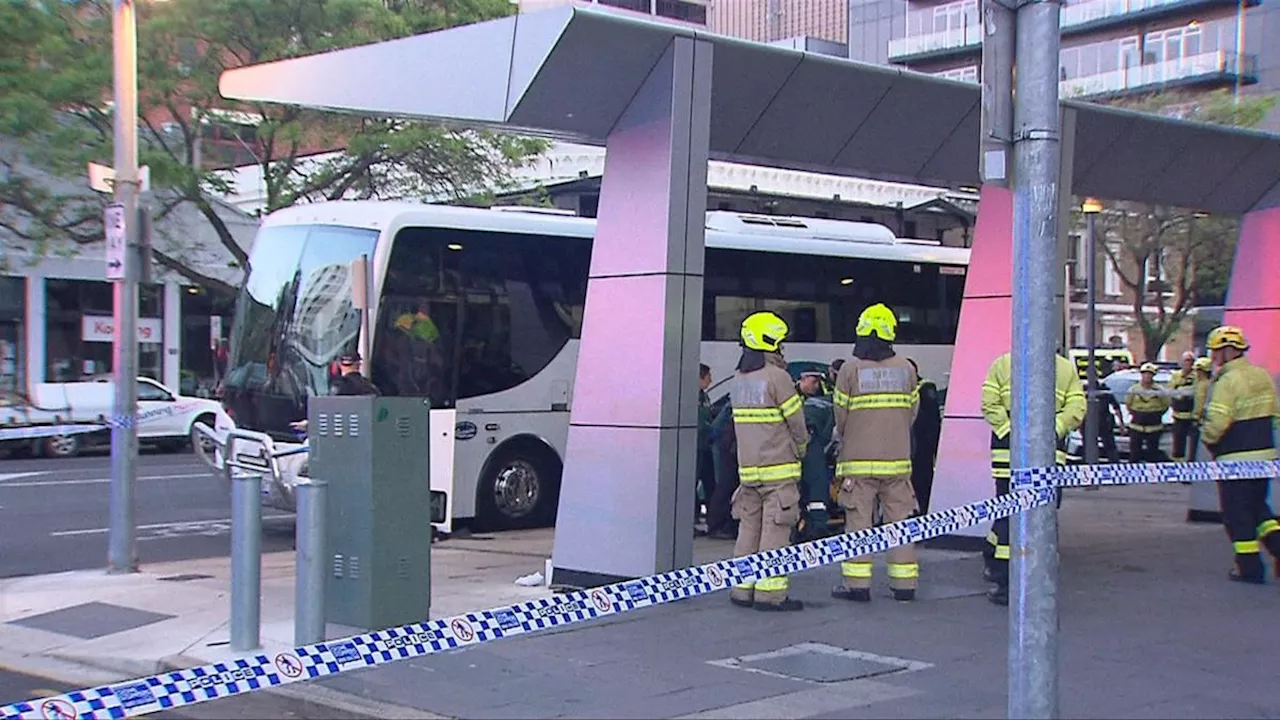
1183,432
1144,446
1107,442
1249,523
719,512
922,469
996,554
707,477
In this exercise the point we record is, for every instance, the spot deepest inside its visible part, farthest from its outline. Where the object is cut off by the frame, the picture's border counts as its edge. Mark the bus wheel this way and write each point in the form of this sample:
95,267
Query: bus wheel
520,489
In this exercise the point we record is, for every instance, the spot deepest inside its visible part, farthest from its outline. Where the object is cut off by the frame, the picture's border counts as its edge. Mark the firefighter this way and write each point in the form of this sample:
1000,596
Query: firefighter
769,425
1070,407
1238,425
815,482
1183,399
875,406
1147,405
1204,379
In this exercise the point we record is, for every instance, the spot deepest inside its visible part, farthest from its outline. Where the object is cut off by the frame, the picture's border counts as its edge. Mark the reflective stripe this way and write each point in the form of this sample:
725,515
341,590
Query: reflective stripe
1183,415
1000,458
1245,547
855,569
879,401
1002,429
901,571
1146,428
746,586
1002,551
770,473
818,505
873,467
1267,454
757,415
840,399
1267,527
1000,455
1060,457
791,406
772,584
993,538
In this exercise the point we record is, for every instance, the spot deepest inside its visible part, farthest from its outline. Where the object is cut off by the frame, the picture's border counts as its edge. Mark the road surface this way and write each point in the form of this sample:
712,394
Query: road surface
54,513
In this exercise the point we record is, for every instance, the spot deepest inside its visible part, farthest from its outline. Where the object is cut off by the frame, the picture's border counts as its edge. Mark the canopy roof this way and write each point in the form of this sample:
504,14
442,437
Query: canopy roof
570,72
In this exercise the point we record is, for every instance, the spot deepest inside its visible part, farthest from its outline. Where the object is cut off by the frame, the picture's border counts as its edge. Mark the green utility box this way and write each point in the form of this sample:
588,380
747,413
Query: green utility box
372,453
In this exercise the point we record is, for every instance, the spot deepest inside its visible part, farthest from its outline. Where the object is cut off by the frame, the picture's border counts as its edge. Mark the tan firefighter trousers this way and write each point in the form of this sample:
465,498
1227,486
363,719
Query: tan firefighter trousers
766,514
858,495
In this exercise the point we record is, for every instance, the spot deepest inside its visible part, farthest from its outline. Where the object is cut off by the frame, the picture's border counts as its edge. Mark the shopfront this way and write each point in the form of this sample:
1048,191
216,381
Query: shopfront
206,329
79,329
12,335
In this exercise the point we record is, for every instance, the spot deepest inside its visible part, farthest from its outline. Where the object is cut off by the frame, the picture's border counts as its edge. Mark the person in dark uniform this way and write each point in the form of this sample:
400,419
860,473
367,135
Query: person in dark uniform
925,433
351,382
724,442
1109,415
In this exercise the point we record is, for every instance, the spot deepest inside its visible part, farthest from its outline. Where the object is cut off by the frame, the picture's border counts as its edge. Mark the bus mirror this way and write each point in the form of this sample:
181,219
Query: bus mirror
360,283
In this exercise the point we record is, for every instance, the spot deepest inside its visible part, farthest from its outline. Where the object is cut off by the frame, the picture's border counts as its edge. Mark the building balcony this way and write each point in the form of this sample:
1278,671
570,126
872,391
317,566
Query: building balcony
936,46
1204,69
1076,18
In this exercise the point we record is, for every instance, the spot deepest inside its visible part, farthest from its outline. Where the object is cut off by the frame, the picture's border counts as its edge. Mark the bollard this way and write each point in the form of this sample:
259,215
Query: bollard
246,560
311,496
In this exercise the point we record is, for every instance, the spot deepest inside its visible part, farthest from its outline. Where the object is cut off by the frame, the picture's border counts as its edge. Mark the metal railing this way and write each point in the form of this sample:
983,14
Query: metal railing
244,458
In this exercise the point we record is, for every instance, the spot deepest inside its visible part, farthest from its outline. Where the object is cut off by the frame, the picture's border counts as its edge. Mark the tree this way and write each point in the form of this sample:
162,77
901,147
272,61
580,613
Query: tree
1194,251
56,62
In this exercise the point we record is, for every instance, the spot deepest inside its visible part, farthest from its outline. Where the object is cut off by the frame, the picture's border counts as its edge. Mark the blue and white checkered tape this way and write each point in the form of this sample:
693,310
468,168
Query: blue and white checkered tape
209,682
1134,474
27,432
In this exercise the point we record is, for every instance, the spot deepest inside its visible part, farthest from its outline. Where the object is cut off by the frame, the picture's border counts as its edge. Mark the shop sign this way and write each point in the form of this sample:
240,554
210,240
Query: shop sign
101,328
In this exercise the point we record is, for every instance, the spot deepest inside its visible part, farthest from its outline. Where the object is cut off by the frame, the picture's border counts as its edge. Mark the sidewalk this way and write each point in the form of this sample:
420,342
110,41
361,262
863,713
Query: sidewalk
1150,628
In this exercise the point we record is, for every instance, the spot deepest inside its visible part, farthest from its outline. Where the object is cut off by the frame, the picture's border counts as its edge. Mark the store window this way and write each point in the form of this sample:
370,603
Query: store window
79,328
12,338
206,333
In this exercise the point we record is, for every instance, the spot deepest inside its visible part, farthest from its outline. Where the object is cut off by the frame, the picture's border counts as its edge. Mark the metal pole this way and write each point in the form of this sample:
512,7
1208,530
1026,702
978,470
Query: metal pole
1091,419
122,548
246,556
1033,610
997,91
308,608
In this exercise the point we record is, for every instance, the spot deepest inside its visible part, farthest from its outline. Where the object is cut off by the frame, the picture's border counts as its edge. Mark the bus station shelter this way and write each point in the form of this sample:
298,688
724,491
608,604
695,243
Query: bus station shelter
664,99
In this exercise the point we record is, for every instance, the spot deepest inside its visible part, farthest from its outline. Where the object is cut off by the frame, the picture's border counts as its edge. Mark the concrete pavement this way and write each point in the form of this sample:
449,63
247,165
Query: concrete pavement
1150,628
54,513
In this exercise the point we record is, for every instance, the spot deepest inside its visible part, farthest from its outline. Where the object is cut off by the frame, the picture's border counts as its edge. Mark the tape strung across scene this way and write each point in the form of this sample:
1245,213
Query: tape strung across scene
1033,488
79,428
187,687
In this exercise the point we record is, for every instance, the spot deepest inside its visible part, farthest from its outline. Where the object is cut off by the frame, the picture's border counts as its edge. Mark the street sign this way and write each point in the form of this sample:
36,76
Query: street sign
113,225
103,178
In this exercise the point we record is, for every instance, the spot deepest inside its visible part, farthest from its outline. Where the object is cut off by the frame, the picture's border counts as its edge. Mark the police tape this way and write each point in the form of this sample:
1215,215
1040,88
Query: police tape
1143,473
29,432
258,672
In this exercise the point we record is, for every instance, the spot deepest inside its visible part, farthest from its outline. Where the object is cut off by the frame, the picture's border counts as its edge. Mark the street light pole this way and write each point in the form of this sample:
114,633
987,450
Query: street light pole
1033,601
122,549
1091,208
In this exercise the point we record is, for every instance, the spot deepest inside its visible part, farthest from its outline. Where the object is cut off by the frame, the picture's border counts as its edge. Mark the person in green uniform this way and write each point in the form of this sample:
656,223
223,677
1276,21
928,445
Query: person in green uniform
815,477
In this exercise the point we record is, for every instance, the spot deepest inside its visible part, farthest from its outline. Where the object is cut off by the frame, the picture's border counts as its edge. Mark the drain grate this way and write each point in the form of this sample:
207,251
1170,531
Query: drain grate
91,620
185,577
819,663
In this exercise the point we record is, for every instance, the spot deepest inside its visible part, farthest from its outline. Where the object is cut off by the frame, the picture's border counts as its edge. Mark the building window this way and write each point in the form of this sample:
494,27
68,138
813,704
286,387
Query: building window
1111,279
206,333
79,329
12,337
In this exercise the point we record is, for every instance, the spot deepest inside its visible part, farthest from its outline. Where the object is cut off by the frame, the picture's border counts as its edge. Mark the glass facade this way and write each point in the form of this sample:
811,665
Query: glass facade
79,329
12,337
206,333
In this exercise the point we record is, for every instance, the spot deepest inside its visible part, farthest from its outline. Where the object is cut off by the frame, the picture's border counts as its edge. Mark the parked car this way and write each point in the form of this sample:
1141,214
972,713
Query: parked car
1119,383
165,418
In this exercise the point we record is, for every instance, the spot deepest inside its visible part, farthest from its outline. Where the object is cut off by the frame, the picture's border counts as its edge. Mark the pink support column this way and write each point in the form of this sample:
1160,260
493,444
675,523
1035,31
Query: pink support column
964,456
1253,298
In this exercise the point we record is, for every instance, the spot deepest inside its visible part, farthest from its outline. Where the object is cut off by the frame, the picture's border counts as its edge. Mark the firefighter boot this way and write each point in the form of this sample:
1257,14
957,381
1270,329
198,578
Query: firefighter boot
1248,569
840,592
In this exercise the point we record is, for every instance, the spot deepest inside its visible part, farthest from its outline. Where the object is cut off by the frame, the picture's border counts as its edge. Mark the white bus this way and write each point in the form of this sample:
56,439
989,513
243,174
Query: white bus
479,310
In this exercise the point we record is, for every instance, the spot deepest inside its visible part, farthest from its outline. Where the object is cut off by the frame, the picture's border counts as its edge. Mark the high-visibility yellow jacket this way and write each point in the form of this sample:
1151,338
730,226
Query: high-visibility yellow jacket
996,402
1202,393
768,424
1239,416
875,405
1182,389
1147,407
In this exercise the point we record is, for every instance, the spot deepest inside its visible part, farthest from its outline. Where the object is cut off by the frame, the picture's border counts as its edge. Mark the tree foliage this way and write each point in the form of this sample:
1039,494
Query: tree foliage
1194,250
55,59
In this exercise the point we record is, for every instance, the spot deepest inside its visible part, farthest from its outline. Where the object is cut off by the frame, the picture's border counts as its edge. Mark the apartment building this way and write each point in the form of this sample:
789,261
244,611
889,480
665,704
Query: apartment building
684,12
1110,48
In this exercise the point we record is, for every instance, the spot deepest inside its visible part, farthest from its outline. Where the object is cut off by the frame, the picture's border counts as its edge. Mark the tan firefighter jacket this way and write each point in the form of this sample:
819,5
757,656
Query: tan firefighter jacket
875,405
769,424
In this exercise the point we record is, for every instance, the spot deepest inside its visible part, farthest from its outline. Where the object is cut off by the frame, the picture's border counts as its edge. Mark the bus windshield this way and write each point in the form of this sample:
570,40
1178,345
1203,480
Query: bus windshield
293,319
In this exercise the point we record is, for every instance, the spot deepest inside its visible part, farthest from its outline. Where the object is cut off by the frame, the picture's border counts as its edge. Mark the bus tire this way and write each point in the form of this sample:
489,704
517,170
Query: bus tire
519,488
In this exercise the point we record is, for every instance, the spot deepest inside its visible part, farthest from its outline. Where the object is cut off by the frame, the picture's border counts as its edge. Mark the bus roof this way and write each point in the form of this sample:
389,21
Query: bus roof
726,230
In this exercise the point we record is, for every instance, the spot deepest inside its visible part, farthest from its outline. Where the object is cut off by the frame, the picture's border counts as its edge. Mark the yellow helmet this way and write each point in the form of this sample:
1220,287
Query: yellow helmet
878,320
764,331
1227,336
1148,368
1205,364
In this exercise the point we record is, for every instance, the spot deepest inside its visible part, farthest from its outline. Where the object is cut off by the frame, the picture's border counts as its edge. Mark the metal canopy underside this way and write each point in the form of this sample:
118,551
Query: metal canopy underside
570,72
